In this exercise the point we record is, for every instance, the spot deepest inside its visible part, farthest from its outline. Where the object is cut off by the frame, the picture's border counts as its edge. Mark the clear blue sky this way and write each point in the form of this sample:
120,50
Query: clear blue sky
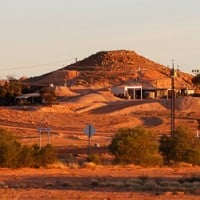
38,36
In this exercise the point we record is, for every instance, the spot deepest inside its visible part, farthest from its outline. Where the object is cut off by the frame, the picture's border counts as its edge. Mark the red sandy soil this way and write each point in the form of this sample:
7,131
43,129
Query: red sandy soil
107,114
68,183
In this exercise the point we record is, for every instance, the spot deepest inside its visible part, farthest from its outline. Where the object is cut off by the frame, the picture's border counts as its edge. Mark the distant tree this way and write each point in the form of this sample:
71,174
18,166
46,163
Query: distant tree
3,92
135,145
9,91
14,88
196,79
9,149
14,155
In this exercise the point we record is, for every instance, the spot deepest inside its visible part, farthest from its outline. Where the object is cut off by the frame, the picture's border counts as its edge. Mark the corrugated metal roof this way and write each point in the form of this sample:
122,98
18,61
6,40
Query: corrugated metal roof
26,96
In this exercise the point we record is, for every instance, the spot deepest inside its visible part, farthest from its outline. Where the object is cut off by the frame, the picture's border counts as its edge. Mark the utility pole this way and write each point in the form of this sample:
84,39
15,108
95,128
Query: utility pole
173,95
198,127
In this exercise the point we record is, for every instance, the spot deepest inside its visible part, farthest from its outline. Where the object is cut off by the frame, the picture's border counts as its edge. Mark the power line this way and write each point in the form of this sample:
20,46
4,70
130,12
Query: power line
17,67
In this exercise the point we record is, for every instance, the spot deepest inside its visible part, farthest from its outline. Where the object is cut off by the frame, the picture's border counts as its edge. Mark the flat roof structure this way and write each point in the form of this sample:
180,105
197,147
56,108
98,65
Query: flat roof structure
30,95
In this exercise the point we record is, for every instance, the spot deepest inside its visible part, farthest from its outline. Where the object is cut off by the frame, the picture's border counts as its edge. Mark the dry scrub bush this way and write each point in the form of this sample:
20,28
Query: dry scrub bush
90,165
13,155
57,165
182,146
73,165
137,146
44,156
94,158
9,150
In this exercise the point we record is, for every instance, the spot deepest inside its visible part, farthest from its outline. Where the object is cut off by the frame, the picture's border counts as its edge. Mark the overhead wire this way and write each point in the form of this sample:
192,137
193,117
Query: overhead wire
17,67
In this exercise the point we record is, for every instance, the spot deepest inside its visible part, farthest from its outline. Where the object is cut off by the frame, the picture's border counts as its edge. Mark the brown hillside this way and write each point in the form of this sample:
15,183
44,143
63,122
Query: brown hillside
114,68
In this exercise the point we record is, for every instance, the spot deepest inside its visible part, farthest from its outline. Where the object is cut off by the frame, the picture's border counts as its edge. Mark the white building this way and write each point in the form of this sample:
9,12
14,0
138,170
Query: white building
129,92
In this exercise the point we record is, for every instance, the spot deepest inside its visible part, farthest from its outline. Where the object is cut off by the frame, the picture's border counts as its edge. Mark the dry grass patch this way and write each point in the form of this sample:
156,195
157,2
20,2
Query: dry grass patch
58,165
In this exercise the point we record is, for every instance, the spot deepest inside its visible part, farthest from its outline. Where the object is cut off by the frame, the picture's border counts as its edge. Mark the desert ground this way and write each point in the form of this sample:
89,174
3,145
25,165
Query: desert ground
100,182
72,177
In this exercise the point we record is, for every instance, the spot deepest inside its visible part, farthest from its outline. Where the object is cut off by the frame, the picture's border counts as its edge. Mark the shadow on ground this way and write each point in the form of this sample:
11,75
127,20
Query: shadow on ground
145,184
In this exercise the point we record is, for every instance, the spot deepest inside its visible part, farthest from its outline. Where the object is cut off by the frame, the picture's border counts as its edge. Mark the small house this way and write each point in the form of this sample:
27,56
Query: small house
30,98
187,92
127,91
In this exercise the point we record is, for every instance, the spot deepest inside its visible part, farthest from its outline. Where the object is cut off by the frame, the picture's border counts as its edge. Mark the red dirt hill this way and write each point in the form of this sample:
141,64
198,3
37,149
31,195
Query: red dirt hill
114,68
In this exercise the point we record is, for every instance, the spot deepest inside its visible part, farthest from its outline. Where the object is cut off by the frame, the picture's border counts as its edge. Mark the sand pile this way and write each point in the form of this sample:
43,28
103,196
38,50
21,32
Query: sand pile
61,91
85,103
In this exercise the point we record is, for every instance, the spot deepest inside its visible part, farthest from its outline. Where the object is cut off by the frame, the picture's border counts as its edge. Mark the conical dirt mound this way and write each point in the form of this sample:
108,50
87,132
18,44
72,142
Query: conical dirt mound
122,66
115,68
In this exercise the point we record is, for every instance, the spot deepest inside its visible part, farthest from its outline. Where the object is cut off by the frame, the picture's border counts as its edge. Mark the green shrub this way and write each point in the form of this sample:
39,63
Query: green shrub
26,157
196,79
44,156
9,91
183,146
137,146
13,155
48,96
9,149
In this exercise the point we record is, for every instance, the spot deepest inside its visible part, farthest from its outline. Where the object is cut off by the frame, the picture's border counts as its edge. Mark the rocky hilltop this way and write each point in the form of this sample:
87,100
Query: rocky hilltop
115,68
